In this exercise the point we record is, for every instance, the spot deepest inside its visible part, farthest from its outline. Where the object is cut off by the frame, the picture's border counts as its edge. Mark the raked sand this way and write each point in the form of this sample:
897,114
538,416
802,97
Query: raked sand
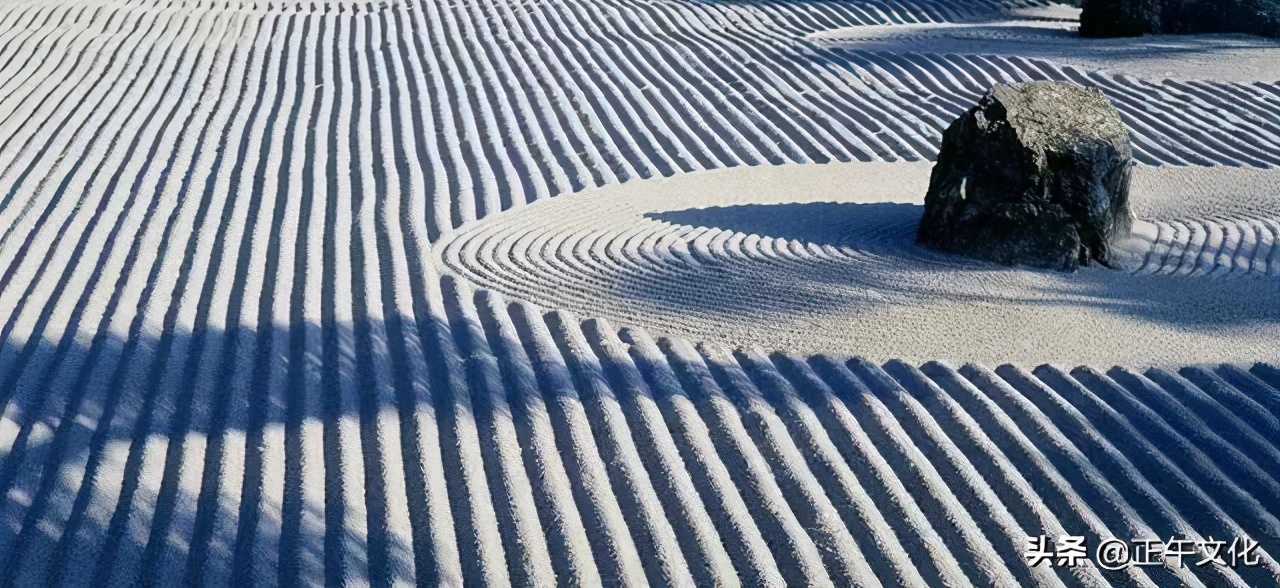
237,346
822,258
1051,35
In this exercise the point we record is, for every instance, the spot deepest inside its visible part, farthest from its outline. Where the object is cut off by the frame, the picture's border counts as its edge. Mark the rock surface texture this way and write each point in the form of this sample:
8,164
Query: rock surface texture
1130,18
1035,174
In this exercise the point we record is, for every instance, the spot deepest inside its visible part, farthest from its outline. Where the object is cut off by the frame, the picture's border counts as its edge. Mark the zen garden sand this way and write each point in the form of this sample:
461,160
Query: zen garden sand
549,292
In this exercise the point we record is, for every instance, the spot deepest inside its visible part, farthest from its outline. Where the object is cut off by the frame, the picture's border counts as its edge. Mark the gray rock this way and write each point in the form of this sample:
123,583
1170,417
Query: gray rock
1036,174
1131,18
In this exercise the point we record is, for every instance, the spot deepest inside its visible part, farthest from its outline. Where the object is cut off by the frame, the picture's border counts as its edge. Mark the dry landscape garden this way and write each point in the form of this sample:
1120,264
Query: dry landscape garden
618,292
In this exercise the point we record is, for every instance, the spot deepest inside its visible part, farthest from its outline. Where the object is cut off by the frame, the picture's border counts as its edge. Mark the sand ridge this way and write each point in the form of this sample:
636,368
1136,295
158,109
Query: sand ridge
227,356
1221,58
821,258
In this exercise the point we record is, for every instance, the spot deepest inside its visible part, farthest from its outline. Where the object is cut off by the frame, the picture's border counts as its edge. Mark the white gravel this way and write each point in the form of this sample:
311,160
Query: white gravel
228,355
821,258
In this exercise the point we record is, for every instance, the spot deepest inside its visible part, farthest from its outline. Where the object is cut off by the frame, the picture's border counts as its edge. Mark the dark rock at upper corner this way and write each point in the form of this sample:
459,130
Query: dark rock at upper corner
1131,18
1036,174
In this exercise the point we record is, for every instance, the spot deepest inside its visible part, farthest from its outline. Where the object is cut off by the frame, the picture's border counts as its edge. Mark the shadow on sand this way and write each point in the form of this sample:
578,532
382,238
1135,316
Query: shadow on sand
185,458
181,460
877,250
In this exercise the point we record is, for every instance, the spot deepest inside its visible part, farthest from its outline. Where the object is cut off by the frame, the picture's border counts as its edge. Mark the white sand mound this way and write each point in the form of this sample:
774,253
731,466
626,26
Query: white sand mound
821,258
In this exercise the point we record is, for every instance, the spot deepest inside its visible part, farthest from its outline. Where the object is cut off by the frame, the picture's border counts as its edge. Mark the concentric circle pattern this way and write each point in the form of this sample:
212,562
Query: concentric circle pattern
823,258
392,293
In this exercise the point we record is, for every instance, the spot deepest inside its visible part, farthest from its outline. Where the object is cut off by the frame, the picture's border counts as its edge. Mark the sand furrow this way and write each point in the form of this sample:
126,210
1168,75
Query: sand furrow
586,291
758,254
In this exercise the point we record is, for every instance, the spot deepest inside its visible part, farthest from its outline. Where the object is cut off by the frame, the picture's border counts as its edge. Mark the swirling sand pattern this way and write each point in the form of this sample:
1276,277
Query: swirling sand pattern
226,355
823,258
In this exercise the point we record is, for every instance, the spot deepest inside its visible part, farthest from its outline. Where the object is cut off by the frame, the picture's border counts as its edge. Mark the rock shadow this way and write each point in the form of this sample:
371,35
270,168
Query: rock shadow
816,223
852,257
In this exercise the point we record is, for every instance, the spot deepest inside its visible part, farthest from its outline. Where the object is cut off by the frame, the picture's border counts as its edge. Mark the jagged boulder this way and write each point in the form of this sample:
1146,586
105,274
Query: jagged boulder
1036,174
1131,18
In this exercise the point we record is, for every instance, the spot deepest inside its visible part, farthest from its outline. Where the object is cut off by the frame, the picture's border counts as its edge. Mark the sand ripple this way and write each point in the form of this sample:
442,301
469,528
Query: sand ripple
822,258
